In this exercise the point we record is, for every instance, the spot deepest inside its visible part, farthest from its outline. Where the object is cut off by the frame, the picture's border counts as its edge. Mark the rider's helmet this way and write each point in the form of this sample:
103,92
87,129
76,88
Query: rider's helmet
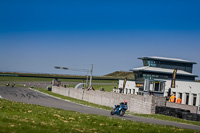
125,101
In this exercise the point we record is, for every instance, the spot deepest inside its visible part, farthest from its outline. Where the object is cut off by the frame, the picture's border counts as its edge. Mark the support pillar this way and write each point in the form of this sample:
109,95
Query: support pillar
177,96
197,102
190,99
183,98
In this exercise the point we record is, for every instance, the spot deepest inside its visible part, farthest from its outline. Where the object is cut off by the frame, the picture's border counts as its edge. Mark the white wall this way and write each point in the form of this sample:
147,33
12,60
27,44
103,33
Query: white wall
181,87
136,103
185,87
129,85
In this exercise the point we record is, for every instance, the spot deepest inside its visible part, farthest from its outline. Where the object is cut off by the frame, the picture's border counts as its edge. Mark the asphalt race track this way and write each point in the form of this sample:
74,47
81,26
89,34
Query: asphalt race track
30,96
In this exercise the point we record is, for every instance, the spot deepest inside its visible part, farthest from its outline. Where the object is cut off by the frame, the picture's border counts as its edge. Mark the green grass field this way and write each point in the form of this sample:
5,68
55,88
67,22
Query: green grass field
97,87
31,79
106,87
25,118
72,82
153,116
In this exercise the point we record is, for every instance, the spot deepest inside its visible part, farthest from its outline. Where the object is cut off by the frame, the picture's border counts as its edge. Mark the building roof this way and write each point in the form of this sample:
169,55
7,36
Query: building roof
167,59
162,70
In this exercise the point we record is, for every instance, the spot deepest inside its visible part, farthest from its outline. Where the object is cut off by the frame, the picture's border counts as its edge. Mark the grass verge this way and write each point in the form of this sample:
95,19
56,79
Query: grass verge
168,118
25,118
107,88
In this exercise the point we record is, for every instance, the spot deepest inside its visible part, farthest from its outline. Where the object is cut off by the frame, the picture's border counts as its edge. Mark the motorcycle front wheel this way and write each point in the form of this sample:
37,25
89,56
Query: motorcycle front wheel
112,111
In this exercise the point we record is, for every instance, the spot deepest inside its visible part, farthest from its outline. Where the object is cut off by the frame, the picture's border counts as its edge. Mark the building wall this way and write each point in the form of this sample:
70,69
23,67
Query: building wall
130,87
183,87
136,103
192,88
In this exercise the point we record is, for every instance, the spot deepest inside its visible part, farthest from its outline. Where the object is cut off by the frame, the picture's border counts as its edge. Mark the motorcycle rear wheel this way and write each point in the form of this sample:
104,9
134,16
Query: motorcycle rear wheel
121,113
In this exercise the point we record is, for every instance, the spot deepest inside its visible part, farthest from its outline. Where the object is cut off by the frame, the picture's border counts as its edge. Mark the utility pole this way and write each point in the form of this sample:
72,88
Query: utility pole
91,75
84,70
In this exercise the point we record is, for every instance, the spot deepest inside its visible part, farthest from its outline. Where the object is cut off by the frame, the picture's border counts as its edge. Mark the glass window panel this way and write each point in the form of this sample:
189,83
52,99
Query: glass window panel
162,86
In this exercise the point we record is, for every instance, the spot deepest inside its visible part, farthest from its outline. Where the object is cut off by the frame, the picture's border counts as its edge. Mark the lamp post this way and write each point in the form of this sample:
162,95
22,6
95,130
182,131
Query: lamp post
83,70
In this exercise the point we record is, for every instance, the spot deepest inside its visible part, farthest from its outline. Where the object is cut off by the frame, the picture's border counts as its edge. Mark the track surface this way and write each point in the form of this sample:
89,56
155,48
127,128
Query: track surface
33,97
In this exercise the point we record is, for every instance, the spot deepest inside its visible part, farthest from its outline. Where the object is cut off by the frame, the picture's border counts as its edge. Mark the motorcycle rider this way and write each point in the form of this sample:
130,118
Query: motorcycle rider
123,104
7,84
13,84
119,109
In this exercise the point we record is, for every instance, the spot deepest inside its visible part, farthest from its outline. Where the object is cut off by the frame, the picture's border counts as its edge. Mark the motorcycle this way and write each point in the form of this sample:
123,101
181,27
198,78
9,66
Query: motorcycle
13,85
119,109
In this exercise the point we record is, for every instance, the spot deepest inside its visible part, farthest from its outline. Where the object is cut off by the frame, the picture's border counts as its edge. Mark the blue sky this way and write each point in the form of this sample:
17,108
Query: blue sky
37,35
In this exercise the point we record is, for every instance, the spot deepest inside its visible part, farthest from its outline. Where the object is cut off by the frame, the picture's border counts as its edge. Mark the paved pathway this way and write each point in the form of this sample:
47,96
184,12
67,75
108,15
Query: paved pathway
33,97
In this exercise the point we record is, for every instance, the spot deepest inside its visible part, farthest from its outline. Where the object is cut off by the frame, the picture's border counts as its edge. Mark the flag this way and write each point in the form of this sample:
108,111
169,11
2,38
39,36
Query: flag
174,78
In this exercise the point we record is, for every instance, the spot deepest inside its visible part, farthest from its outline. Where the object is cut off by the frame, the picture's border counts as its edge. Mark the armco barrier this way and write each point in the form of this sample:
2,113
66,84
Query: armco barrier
136,103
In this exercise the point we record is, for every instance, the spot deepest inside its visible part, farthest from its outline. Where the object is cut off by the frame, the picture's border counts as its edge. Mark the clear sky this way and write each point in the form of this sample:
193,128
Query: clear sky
36,35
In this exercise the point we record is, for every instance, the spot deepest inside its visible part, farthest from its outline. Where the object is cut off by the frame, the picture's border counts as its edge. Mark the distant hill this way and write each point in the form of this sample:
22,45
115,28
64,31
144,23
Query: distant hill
121,74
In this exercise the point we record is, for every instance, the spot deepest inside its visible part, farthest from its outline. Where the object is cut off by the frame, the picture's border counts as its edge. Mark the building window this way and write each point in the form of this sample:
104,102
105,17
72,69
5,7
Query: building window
162,86
148,85
138,76
155,76
149,63
156,86
159,86
145,62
